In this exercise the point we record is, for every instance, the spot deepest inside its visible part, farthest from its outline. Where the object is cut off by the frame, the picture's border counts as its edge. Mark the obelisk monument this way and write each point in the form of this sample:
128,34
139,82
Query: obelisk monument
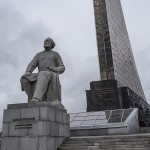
120,86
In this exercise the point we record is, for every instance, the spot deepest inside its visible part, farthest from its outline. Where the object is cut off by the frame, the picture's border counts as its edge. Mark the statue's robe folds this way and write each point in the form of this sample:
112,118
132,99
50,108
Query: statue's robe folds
45,84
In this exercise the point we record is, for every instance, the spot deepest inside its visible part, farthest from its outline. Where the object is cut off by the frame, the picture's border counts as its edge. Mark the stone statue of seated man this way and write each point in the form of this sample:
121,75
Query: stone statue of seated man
44,85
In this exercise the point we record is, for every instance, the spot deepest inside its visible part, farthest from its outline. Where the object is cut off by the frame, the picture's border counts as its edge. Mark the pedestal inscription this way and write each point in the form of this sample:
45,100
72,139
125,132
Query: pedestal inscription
34,126
24,123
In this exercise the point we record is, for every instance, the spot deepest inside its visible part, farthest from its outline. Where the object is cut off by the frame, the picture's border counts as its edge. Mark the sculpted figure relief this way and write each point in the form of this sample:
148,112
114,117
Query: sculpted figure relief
44,85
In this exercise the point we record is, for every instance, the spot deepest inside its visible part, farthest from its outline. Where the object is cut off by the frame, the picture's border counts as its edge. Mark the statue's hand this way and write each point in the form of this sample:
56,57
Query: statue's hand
52,69
27,74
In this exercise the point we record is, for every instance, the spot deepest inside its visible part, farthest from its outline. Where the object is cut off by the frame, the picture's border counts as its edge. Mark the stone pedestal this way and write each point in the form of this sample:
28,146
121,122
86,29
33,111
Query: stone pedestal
103,95
34,126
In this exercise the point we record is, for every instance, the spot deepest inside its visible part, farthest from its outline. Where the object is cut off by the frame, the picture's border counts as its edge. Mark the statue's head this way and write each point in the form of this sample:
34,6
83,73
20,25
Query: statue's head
49,43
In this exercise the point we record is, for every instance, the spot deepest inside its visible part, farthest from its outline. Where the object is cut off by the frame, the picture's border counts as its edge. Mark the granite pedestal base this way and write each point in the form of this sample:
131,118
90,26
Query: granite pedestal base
34,126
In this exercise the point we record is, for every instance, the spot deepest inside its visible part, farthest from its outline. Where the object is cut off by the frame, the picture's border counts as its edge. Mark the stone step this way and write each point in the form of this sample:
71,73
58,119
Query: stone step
106,140
117,142
105,143
125,146
110,149
133,136
124,149
78,147
107,146
112,142
79,144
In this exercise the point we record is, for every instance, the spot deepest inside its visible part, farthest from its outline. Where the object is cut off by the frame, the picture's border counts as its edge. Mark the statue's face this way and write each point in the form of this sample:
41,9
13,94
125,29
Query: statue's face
48,43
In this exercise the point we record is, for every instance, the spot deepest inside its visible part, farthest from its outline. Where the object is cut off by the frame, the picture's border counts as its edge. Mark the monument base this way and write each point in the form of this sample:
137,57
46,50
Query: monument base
111,95
34,126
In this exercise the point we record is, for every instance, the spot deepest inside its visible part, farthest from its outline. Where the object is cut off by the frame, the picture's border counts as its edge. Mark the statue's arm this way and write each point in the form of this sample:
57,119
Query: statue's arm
32,65
60,65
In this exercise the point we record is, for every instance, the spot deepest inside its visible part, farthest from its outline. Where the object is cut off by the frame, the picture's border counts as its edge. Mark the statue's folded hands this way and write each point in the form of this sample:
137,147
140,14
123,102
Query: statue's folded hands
52,69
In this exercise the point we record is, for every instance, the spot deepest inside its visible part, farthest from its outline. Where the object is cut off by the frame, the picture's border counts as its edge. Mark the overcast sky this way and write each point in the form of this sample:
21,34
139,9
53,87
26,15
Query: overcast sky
25,24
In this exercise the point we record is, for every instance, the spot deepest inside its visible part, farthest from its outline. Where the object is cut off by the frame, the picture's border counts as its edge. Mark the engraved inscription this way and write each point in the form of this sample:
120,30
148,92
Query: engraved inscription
24,123
24,119
23,126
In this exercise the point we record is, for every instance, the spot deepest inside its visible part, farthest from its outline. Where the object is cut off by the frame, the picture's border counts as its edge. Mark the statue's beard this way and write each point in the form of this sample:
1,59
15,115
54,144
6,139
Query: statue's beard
47,46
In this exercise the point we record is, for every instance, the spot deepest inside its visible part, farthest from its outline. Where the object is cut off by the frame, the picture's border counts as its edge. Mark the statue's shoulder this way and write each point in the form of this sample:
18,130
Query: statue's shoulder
56,54
39,53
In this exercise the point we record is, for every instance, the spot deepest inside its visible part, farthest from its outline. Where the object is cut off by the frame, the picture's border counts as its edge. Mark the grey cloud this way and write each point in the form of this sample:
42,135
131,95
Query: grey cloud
77,81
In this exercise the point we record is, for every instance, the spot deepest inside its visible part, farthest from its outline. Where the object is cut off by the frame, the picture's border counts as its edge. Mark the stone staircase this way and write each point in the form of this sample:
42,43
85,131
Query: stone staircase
117,142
